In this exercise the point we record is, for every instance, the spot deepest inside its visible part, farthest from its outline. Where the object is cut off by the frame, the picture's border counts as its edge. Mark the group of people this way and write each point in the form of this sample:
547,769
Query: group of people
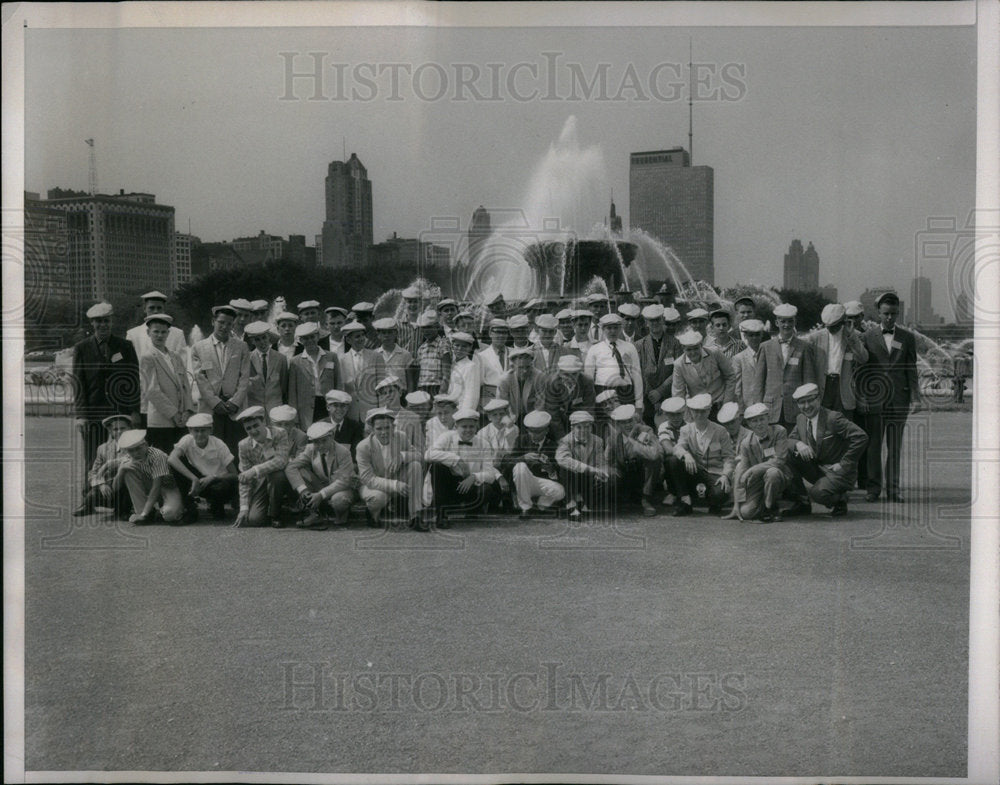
465,408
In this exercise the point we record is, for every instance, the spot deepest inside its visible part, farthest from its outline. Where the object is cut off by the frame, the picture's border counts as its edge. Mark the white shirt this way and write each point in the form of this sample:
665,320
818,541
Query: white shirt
220,351
601,366
835,356
288,351
464,383
446,450
814,425
889,338
786,348
314,361
211,460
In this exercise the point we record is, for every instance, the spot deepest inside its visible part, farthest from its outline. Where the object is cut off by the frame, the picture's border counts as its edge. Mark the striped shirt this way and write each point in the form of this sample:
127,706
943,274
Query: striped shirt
152,466
431,358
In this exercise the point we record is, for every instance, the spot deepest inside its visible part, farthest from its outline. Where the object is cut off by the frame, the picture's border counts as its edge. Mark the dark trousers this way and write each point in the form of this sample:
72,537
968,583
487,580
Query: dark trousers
637,479
825,488
164,438
959,385
861,420
682,483
93,435
229,431
105,496
218,491
447,496
319,409
582,488
886,426
831,393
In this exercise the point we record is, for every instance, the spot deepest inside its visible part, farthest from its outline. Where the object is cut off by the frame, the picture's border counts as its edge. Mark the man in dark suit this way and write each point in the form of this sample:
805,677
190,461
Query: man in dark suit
106,374
888,391
826,452
523,387
567,391
346,430
657,352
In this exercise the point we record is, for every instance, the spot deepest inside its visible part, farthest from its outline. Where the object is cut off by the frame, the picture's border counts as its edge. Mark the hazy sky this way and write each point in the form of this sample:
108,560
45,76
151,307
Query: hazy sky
851,138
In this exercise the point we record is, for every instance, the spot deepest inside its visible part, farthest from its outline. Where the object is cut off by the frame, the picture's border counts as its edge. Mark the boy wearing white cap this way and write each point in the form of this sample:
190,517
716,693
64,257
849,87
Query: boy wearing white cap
263,456
500,436
701,370
285,417
583,466
106,376
523,387
285,323
154,303
391,470
398,360
100,491
465,382
532,465
267,385
668,433
204,467
702,463
761,474
547,351
826,453
361,368
346,430
150,484
746,363
311,375
839,353
324,478
221,366
165,386
787,362
443,419
634,458
567,391
463,476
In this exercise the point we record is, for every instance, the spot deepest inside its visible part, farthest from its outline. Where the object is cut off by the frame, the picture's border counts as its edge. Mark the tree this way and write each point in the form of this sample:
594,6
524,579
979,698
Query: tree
810,305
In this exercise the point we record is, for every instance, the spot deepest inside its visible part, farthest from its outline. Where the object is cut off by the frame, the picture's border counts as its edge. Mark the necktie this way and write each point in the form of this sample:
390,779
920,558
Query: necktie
263,365
618,357
326,469
105,351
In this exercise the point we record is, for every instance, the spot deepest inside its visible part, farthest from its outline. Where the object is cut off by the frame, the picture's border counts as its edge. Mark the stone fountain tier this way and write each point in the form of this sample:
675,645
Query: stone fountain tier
565,268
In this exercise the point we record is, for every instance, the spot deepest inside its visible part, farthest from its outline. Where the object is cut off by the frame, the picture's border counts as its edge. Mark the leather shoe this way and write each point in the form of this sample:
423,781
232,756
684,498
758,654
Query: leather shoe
681,509
839,510
648,510
871,497
83,509
800,508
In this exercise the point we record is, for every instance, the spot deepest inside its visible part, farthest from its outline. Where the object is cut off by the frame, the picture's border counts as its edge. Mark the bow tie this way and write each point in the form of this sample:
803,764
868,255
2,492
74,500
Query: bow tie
467,444
888,331
784,340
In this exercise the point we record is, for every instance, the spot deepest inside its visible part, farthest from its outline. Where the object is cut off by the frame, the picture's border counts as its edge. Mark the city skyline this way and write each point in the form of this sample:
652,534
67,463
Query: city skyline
799,154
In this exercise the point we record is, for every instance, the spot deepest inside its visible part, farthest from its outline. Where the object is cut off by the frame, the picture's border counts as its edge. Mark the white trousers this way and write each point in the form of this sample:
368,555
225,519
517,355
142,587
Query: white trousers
530,487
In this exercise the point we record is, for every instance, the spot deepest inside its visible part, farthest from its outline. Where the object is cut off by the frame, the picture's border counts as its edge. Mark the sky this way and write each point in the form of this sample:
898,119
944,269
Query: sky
850,138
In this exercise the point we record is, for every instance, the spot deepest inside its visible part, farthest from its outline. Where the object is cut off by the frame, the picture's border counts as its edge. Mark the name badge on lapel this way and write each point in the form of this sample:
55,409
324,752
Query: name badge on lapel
668,360
897,345
329,365
768,452
793,360
116,357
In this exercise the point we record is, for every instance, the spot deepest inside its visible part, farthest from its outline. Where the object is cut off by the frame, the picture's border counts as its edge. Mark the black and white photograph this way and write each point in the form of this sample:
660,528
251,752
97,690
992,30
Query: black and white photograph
502,392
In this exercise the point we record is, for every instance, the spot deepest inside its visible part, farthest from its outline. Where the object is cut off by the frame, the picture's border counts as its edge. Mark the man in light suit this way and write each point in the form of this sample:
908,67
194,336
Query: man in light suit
762,472
361,369
261,482
787,363
311,375
827,448
657,352
746,364
165,386
703,460
390,468
524,387
547,351
583,467
839,353
888,389
323,476
106,380
268,383
152,304
221,366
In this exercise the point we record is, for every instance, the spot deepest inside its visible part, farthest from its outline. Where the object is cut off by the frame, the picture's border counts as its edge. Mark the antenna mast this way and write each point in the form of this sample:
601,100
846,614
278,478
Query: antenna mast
92,179
690,103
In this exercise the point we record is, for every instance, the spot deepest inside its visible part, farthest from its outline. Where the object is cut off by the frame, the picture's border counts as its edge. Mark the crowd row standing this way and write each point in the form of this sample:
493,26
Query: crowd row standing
582,410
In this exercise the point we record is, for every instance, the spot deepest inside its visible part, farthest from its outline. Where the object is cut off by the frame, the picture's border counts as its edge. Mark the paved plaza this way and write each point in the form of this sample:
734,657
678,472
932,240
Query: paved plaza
834,647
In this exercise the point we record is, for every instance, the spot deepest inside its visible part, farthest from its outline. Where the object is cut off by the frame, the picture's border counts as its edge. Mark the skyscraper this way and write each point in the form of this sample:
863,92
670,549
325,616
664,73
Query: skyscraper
920,297
117,244
479,231
801,268
675,203
348,228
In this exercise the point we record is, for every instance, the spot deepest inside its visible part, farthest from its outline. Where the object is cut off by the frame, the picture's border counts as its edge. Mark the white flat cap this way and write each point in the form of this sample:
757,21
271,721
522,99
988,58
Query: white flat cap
100,310
699,402
466,414
363,307
607,395
671,315
563,315
389,381
154,295
131,438
381,411
520,351
623,413
462,337
286,316
257,328
854,308
581,416
125,418
546,321
336,309
569,363
240,304
258,305
755,410
690,338
283,413
226,309
596,297
309,328
673,405
352,327
728,412
833,313
537,419
697,313
337,396
307,304
654,311
805,391
418,397
386,323
319,429
629,310
785,311
446,302
751,326
499,324
582,313
518,321
250,412
411,293
159,317
610,318
495,405
446,399
200,420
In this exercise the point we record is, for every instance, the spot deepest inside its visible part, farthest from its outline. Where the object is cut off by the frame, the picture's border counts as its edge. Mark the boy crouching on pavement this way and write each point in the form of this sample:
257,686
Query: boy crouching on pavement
203,466
146,474
262,482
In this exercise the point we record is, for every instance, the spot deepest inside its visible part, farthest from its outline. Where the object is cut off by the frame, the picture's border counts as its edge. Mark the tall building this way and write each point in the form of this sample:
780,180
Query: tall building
479,231
675,203
614,221
117,244
318,240
347,230
48,265
272,245
922,312
180,267
830,292
410,251
801,268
